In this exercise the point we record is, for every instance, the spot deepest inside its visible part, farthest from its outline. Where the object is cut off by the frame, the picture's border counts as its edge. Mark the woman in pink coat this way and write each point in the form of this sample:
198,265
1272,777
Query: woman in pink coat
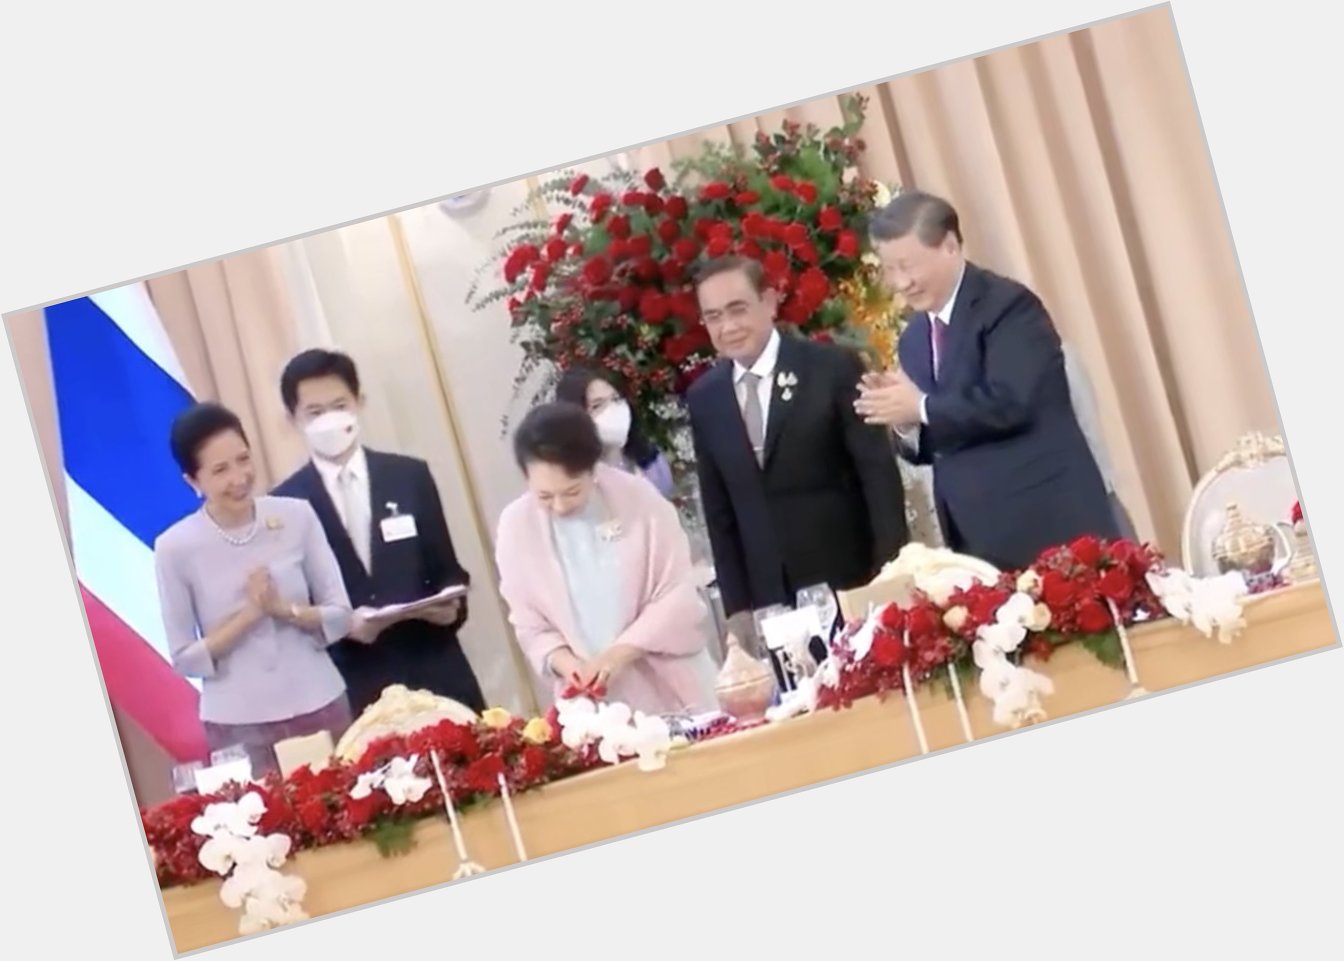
596,571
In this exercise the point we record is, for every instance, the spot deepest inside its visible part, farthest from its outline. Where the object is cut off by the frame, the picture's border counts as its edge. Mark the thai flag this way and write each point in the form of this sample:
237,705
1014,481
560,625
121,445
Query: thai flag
118,387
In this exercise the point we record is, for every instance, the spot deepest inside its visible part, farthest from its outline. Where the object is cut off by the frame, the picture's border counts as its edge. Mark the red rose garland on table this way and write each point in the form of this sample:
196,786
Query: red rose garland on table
1067,586
1072,583
317,808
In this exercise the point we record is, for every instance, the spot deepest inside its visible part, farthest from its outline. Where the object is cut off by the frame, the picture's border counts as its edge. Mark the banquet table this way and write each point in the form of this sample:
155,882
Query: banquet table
758,763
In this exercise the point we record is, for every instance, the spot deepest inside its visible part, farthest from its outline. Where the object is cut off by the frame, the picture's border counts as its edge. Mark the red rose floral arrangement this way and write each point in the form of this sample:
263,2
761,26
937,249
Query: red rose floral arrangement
607,281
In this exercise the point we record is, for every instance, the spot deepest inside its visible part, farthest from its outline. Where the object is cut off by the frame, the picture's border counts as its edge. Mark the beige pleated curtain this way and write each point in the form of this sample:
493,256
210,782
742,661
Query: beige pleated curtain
1079,167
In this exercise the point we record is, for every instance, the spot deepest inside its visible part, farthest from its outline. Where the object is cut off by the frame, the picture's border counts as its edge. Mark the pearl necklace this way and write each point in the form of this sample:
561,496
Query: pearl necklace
236,540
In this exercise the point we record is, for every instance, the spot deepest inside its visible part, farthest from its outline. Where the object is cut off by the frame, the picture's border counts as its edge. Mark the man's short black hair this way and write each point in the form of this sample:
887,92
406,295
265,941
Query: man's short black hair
312,364
561,434
733,262
928,217
195,427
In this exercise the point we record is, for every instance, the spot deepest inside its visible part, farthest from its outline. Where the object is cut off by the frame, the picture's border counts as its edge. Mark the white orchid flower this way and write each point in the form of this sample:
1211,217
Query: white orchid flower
614,715
1018,609
1019,700
220,853
273,902
245,879
1208,604
273,849
397,779
609,750
996,676
986,655
401,782
862,640
366,784
1003,636
248,861
652,741
226,817
263,915
579,722
575,706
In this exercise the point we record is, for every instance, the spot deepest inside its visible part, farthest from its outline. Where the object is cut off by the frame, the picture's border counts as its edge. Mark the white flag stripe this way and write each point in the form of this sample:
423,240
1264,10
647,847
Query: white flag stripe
133,312
116,567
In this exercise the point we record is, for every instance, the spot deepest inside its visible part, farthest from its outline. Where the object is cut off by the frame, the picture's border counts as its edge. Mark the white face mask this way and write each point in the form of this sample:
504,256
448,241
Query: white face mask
332,434
613,424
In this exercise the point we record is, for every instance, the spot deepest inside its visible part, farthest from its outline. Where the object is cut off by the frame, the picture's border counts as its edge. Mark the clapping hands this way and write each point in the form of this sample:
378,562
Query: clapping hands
889,398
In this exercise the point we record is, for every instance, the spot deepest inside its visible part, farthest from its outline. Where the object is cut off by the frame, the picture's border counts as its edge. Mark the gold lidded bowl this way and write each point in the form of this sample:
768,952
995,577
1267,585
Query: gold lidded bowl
1249,547
745,687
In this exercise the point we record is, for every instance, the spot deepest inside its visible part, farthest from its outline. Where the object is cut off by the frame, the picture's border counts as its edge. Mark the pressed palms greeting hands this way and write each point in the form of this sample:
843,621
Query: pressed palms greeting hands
888,398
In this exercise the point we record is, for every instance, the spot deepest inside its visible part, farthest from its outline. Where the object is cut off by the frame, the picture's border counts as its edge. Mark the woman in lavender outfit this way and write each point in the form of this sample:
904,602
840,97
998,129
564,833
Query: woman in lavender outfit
251,597
624,446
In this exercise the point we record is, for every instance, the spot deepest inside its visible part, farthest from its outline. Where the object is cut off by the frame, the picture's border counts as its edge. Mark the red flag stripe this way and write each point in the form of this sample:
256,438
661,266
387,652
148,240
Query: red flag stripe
144,686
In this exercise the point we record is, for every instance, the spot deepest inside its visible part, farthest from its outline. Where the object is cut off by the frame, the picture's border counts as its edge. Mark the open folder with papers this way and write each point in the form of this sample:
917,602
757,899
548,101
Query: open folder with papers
411,607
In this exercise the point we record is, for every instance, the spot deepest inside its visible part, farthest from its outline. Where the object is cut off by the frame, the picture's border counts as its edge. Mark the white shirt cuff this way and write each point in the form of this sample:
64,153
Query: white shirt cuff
924,409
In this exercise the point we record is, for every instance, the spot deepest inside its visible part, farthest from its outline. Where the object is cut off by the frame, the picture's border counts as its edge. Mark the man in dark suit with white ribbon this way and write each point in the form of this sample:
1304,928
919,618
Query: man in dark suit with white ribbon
982,394
797,490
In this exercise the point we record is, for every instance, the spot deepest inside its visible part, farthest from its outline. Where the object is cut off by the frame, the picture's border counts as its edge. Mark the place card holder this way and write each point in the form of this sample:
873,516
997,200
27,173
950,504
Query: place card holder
314,750
210,780
789,629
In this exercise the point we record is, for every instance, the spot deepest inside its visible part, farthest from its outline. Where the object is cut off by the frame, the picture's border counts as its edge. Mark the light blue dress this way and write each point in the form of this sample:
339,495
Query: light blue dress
592,572
592,568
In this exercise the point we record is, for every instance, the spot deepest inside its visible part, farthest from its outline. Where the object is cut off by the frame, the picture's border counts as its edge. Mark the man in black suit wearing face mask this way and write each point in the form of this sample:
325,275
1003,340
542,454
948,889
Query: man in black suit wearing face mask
383,518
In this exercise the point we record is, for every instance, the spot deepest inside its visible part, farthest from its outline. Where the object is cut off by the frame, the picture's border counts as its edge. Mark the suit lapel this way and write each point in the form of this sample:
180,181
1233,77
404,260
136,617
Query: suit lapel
381,493
921,349
961,330
783,393
337,536
733,429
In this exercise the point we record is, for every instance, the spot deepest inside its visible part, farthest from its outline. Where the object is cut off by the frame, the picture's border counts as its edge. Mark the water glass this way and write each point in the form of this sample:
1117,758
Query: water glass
184,777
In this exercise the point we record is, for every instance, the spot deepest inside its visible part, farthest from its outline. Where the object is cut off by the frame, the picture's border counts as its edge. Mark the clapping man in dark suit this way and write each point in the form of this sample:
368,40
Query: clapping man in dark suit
981,394
797,490
383,518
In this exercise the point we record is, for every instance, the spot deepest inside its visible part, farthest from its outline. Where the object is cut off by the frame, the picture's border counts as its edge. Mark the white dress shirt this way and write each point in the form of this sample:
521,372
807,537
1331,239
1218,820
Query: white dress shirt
910,435
764,368
359,495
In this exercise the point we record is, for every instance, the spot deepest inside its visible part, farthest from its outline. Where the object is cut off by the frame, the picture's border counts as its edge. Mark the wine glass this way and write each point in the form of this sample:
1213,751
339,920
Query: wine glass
822,599
184,777
232,764
228,755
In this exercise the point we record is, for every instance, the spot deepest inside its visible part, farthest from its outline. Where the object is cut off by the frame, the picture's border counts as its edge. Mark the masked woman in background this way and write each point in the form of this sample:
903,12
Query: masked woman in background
624,446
